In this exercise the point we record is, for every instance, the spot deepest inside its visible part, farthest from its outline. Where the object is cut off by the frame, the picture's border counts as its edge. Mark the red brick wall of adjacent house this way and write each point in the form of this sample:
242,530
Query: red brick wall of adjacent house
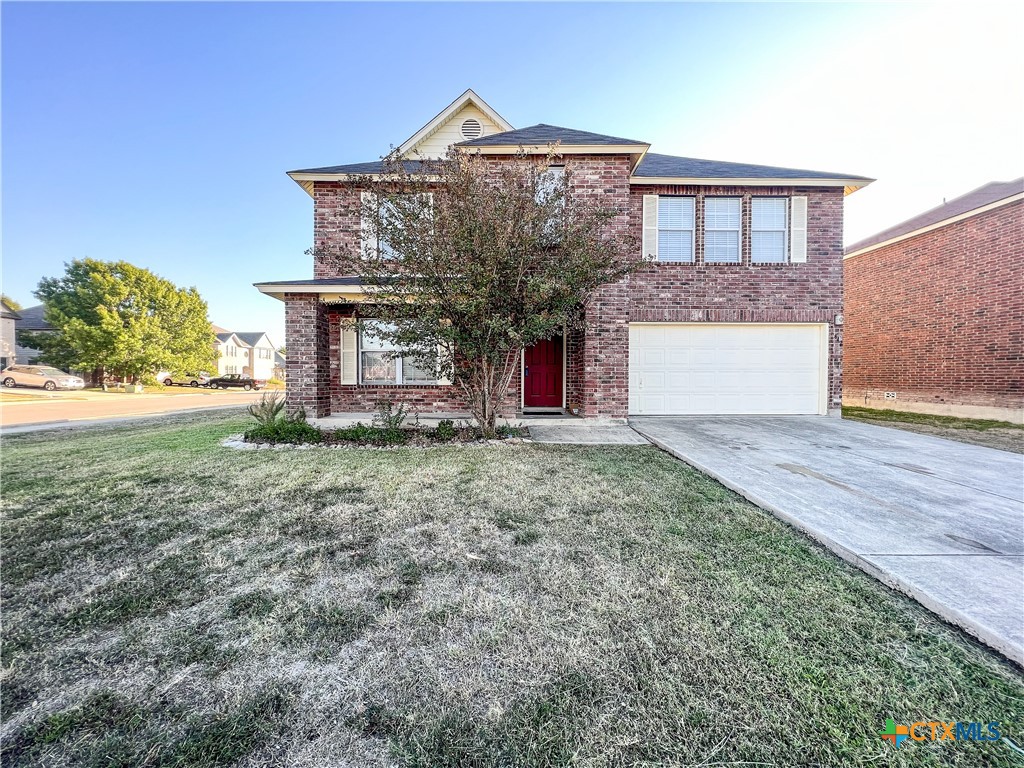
597,379
939,318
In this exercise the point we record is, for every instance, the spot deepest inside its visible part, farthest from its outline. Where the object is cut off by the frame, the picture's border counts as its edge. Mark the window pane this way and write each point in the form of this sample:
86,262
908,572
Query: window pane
416,374
723,246
379,368
768,213
722,213
370,341
675,212
768,247
675,246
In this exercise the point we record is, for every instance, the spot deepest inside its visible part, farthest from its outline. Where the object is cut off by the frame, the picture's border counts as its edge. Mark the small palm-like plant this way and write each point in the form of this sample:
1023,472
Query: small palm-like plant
269,409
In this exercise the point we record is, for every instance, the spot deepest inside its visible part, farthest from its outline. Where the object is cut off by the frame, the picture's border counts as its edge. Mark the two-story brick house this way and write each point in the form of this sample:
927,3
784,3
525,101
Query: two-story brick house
739,310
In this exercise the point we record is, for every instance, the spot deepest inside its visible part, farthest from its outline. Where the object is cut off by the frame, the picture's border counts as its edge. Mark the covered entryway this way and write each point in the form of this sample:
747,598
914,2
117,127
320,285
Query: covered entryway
727,368
544,374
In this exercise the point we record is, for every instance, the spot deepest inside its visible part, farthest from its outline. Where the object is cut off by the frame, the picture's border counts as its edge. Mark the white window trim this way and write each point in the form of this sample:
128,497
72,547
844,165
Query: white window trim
738,230
785,229
693,231
399,373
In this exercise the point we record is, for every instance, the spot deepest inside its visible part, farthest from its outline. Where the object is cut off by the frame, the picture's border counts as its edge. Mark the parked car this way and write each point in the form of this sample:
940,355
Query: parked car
238,380
169,379
40,376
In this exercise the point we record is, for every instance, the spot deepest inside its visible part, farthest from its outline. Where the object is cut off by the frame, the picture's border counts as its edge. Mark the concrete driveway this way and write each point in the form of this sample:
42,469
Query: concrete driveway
939,520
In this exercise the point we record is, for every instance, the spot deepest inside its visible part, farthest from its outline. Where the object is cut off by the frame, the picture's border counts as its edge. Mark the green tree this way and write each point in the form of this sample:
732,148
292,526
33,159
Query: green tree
118,318
471,260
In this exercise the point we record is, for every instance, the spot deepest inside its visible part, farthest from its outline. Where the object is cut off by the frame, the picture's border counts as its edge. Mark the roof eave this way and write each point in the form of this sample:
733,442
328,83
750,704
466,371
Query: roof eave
469,95
849,185
351,293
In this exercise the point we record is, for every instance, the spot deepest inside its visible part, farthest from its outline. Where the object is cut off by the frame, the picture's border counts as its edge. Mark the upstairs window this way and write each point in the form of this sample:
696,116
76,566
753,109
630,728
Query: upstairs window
381,363
722,230
768,230
675,228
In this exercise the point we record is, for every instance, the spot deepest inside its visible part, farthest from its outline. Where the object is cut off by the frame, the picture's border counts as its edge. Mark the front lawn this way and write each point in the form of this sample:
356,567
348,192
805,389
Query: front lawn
168,601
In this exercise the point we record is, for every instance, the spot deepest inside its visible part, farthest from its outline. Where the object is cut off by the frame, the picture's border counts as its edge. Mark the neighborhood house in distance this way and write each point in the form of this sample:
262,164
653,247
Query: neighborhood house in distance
738,312
250,353
246,352
935,310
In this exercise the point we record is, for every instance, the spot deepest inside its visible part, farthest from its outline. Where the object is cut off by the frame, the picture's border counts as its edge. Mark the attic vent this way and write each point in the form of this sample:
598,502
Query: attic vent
471,128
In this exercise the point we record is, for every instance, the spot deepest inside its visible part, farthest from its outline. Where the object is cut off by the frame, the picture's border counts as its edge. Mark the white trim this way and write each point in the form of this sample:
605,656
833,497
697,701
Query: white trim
468,97
938,224
560,149
850,185
325,292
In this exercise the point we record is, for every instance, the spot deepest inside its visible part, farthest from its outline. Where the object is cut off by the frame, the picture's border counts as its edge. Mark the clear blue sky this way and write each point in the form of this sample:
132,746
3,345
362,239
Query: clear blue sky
160,133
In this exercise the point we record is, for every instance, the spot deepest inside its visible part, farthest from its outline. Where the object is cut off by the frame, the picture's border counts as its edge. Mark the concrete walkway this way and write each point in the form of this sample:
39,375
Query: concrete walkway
939,520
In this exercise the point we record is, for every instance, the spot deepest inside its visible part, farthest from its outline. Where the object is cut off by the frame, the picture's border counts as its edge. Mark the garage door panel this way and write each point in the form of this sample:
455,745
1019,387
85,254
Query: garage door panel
726,368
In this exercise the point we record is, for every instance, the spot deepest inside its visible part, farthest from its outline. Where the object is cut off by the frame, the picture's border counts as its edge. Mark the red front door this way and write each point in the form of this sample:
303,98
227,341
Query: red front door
542,374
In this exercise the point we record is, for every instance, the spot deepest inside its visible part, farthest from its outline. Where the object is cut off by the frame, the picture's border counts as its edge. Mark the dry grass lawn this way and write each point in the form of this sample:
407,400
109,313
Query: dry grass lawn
168,602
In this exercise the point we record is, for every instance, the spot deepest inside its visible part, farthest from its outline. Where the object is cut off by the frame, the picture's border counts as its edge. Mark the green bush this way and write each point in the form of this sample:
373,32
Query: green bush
284,431
369,434
446,430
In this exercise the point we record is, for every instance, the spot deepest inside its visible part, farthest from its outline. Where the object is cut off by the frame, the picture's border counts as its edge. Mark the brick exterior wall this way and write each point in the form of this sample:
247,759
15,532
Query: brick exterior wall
810,292
306,372
597,377
939,318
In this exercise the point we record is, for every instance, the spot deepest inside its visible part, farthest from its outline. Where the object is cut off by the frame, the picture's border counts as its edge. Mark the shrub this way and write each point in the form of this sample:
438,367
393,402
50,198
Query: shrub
284,431
389,416
446,430
367,433
268,409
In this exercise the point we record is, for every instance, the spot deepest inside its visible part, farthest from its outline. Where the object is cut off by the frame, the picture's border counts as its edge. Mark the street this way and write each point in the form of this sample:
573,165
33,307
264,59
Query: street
25,406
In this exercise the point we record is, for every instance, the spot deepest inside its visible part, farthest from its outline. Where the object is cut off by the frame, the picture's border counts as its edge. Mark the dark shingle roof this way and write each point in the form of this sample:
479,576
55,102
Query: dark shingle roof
357,169
250,337
32,319
546,134
992,192
655,165
224,336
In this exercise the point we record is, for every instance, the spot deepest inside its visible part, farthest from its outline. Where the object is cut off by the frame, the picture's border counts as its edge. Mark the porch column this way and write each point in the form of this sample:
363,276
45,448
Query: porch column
307,370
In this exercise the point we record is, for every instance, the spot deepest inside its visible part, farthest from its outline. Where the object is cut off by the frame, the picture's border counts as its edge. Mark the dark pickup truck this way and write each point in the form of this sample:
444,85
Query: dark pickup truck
237,380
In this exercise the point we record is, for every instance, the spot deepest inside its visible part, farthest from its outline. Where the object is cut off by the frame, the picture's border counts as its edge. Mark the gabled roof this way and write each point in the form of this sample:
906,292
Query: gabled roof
468,97
664,169
32,319
224,338
218,329
976,201
7,311
543,134
252,338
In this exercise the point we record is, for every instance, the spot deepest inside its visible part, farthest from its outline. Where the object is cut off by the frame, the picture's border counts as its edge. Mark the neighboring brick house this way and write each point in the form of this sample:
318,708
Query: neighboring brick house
739,310
935,310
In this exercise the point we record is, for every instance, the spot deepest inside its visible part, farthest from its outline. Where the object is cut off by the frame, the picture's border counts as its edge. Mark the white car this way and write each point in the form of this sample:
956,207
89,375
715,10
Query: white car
169,379
39,376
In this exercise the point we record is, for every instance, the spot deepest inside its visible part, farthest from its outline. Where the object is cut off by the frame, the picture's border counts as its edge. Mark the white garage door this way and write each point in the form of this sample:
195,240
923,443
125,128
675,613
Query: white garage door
718,368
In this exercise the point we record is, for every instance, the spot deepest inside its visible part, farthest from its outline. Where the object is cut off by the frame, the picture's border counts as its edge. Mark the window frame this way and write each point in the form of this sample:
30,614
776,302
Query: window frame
399,364
738,230
785,228
692,230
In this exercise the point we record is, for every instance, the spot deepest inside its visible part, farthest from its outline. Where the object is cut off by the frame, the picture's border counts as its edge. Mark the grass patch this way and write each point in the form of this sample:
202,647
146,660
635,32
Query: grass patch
535,606
907,417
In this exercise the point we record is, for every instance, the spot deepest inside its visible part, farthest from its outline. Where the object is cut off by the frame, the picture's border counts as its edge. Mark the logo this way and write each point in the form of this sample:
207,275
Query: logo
897,734
934,730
